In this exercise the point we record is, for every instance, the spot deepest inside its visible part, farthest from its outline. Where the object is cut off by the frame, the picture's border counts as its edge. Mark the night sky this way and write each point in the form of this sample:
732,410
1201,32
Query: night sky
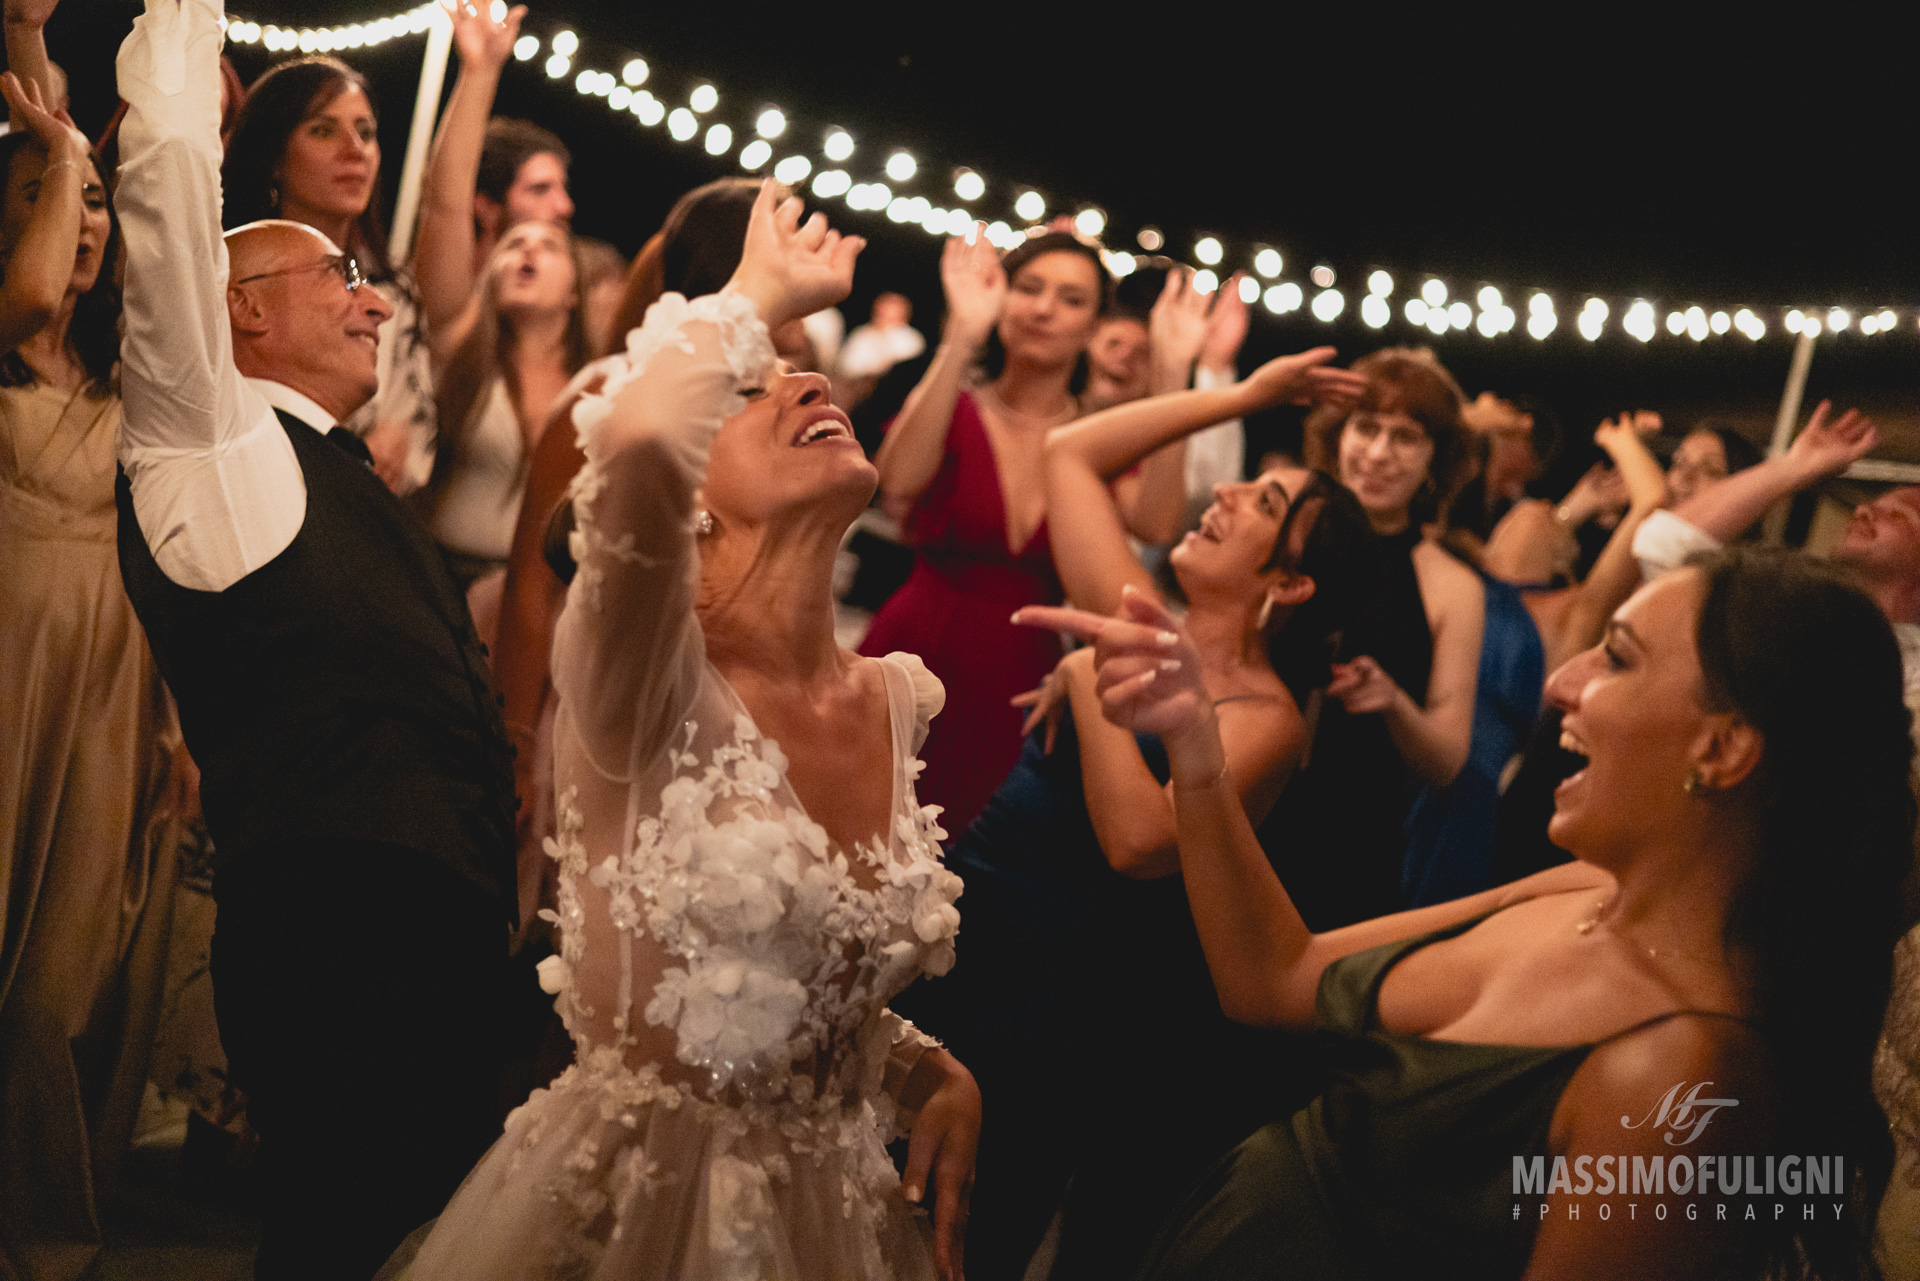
1762,161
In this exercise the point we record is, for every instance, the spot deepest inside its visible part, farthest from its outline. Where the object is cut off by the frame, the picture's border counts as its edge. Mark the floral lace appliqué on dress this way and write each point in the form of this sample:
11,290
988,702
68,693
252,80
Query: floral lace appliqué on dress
724,968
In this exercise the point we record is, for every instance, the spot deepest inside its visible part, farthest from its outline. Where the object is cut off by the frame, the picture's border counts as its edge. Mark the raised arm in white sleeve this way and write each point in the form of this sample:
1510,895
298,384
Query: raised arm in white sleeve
1664,541
628,651
216,486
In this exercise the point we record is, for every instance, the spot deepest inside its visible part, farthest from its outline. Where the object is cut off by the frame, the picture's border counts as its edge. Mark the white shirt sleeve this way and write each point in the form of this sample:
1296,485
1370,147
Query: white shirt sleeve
216,486
1216,455
1664,541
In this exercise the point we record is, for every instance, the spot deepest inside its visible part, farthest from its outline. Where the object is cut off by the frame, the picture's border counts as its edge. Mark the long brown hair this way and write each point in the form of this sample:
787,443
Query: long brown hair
1410,381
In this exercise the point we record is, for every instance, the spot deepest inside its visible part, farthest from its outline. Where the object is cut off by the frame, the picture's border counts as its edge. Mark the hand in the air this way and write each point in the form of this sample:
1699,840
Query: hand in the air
1226,327
482,41
1828,448
1304,378
1177,329
53,128
790,269
30,13
975,287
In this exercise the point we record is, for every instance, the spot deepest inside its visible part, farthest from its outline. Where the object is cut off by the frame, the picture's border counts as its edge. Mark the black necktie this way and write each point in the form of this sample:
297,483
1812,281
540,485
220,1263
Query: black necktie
352,444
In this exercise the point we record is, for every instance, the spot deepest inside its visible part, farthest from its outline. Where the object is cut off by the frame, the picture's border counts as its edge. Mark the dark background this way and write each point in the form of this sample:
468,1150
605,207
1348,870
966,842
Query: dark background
1741,159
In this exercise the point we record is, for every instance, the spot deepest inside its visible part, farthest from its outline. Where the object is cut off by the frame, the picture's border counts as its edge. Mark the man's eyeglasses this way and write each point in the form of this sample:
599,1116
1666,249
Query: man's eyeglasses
341,265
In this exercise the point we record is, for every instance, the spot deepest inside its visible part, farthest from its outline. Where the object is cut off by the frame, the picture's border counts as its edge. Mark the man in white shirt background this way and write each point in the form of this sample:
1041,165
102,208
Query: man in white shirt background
356,776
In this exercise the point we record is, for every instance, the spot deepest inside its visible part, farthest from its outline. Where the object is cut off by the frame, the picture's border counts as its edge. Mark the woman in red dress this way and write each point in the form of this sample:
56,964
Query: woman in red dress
963,468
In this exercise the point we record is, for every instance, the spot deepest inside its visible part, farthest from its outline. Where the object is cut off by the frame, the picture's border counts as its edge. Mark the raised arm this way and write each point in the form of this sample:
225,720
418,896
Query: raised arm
976,288
1266,964
1089,545
1152,498
443,259
216,485
1822,449
1615,574
628,640
42,261
26,22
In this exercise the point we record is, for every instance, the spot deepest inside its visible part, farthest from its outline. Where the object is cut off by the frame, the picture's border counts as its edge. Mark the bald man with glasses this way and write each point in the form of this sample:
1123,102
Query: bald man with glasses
356,777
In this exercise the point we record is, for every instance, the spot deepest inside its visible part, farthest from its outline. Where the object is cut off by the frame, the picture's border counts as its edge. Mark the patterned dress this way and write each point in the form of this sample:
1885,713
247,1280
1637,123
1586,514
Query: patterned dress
724,968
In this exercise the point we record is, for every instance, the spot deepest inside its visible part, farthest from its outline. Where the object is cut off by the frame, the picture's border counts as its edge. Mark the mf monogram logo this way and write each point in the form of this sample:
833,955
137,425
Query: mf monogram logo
1681,1114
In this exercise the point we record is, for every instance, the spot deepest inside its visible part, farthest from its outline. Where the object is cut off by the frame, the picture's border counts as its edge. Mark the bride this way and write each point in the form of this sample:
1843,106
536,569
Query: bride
745,876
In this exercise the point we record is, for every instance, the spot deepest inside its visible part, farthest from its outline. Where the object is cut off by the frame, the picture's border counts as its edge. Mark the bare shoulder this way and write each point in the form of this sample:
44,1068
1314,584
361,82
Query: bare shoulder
1687,1070
1446,580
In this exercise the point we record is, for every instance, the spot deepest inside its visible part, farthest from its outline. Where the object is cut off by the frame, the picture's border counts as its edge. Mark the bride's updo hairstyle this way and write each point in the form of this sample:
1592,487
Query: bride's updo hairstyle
1794,649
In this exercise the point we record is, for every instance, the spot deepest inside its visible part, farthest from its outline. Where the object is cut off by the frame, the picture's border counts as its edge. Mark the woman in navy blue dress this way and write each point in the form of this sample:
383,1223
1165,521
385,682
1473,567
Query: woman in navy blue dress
1077,926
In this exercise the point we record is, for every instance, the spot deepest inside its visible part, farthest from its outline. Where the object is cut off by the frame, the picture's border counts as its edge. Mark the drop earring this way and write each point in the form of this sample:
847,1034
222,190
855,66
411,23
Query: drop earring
273,196
703,522
1266,612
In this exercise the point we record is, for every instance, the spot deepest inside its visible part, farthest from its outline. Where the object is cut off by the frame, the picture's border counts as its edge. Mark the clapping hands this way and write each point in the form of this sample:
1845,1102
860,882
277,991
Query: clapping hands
790,269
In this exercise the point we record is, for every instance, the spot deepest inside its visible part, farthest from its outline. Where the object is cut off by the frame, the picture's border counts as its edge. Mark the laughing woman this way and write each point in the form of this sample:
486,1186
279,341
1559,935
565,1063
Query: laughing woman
1741,826
745,877
1078,935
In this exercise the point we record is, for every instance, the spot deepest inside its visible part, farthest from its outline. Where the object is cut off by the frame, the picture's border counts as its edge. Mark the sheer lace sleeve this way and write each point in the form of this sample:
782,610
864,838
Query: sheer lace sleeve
627,651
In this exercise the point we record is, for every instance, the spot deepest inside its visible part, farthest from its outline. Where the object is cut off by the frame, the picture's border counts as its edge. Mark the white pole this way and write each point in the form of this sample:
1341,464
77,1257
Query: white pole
426,109
1783,424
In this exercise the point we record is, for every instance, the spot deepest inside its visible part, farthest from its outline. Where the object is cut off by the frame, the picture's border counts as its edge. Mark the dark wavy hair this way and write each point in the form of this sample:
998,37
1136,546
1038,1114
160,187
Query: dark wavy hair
1792,647
1053,242
1338,555
94,331
1411,381
276,105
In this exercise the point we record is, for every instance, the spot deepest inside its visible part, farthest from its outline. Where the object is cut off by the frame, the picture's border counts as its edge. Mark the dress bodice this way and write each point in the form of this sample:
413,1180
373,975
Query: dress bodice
713,937
723,941
960,523
57,460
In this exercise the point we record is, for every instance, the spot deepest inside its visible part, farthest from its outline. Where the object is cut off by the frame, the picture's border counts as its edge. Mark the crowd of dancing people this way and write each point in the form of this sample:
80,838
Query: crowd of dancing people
1208,861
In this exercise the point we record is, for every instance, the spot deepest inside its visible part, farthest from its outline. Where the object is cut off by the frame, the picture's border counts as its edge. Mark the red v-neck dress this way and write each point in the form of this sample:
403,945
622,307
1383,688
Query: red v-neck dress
953,613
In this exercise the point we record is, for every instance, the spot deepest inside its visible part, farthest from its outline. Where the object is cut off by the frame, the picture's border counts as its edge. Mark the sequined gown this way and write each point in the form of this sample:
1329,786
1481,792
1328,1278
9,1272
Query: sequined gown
724,968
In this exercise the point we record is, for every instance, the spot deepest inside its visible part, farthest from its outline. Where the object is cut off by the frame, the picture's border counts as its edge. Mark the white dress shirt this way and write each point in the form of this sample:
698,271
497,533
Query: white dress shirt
216,486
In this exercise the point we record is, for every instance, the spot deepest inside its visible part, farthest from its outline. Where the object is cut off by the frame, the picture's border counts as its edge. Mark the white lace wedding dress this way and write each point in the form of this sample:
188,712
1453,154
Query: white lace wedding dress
724,969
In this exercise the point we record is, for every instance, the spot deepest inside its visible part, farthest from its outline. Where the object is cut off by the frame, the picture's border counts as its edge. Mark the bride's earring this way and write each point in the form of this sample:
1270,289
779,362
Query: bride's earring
703,522
1266,612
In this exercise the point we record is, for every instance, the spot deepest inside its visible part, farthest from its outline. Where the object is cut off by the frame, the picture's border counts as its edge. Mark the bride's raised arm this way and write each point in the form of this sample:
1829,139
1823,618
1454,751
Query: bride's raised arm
628,650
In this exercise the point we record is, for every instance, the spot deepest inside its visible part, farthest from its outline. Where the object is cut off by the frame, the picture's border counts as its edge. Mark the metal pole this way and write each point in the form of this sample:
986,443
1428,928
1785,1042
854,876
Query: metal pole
426,110
1783,425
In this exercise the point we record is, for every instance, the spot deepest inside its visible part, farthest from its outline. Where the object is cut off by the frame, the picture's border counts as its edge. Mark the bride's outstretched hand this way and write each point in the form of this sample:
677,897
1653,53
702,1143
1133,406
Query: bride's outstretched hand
945,1139
789,268
1149,675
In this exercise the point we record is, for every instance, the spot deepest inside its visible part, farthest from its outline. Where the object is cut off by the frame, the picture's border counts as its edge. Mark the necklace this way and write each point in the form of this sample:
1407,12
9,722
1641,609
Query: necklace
1067,414
1586,927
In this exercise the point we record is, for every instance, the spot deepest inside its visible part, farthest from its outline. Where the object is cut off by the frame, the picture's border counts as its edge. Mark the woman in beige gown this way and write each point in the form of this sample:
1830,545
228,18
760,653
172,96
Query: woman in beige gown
86,862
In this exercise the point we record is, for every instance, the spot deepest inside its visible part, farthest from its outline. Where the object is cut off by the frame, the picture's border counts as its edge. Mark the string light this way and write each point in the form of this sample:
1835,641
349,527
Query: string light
1433,308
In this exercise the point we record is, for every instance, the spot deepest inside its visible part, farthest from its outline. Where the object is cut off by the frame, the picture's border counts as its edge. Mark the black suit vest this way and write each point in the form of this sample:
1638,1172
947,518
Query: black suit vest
339,692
